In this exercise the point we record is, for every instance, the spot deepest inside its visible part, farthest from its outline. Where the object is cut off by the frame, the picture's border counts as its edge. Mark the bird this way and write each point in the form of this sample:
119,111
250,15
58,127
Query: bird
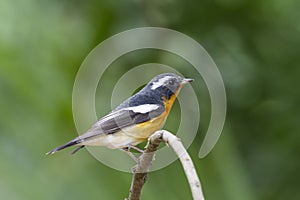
135,119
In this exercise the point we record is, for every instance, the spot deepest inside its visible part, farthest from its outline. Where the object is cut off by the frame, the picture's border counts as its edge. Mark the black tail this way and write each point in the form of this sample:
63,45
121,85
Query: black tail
71,143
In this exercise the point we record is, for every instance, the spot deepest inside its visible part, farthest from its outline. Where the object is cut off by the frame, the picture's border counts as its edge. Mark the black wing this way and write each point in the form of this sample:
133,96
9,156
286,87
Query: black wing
115,121
122,118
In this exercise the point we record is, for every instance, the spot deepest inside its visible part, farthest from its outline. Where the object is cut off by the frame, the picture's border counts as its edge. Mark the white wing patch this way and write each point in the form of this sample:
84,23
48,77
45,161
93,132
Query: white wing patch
143,108
160,82
137,109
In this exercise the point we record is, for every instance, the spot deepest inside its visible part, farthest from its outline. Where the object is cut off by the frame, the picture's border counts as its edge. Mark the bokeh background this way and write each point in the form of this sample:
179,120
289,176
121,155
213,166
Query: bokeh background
255,44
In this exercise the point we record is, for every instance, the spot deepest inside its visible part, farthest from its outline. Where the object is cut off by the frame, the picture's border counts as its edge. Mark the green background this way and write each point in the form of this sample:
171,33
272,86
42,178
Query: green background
255,44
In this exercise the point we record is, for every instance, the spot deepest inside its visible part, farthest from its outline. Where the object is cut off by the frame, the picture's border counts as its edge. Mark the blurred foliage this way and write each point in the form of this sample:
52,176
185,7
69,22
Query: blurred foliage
255,45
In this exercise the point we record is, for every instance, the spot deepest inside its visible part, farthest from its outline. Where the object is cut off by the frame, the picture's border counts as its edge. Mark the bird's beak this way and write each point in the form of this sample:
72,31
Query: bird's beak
186,80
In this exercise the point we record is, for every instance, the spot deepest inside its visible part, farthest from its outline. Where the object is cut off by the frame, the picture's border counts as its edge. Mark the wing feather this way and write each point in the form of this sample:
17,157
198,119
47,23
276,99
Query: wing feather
118,119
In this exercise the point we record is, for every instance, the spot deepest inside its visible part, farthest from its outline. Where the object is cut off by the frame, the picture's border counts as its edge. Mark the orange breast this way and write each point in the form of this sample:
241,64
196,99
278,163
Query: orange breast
144,130
168,103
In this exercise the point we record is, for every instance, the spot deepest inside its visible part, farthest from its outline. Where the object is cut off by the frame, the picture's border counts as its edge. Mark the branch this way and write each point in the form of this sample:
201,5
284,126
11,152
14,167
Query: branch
141,169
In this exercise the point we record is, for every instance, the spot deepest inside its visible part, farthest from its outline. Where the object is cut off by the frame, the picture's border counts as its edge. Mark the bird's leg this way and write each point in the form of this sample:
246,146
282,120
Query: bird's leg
131,155
135,148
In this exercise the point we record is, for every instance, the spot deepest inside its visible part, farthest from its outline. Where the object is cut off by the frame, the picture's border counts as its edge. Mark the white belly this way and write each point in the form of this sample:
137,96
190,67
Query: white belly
113,141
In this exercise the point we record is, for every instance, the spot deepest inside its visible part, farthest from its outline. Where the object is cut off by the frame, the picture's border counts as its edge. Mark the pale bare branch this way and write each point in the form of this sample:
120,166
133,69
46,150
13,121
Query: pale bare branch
141,169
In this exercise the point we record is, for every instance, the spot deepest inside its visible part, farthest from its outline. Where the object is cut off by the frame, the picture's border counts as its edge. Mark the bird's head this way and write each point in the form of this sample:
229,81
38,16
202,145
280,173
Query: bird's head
167,85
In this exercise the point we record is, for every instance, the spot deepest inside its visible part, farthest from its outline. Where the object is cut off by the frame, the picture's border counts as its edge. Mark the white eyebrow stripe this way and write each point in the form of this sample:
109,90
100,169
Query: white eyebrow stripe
160,82
143,108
